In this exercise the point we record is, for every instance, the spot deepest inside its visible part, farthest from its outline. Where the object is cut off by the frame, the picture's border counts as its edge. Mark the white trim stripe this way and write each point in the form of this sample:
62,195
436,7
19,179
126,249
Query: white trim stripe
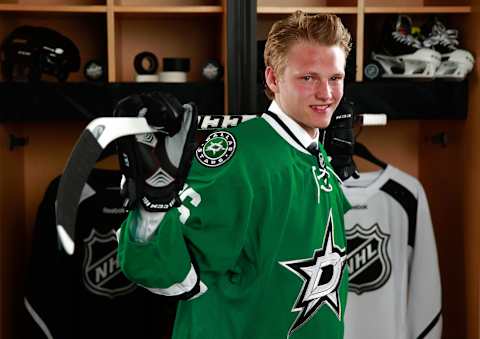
67,242
336,175
283,134
293,125
37,319
203,289
178,288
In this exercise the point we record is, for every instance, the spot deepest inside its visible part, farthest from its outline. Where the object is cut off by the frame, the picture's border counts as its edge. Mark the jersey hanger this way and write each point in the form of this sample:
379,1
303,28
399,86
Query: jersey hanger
362,151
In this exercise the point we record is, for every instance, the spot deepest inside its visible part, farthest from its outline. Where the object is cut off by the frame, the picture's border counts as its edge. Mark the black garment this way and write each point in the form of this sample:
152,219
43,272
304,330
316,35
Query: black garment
85,295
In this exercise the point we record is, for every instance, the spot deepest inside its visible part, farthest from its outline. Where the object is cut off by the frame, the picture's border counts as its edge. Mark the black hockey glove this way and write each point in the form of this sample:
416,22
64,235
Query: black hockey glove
155,165
339,142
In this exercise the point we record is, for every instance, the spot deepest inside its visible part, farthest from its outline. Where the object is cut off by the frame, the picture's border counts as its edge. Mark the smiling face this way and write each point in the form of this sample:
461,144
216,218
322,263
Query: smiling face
310,86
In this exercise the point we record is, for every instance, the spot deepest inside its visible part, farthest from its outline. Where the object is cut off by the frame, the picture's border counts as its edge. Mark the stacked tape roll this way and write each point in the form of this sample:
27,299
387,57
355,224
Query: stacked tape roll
174,70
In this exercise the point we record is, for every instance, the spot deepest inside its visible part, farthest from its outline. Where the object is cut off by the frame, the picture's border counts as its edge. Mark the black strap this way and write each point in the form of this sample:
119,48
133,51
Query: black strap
432,324
312,149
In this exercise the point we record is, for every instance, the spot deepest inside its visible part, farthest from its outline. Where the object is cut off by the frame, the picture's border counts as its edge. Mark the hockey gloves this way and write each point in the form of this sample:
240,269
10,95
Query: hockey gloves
339,142
155,165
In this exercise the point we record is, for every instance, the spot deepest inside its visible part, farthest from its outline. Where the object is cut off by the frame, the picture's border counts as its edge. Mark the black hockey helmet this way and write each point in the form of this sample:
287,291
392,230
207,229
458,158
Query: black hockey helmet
28,52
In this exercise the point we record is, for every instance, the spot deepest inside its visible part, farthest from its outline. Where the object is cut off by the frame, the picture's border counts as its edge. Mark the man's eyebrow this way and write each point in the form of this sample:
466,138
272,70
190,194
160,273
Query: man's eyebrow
318,74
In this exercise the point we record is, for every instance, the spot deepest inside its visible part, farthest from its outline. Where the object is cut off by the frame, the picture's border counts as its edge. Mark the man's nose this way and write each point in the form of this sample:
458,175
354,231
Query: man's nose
323,90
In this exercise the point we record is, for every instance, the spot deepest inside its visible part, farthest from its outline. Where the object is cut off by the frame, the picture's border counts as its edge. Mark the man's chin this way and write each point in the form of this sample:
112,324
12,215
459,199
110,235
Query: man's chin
323,123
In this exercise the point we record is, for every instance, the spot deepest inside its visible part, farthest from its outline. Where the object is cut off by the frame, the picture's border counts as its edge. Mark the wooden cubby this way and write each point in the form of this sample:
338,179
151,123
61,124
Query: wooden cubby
116,30
79,27
133,36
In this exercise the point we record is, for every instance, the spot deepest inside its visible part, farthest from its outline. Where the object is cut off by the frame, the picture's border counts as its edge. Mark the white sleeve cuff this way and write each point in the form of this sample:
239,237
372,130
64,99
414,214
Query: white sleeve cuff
145,224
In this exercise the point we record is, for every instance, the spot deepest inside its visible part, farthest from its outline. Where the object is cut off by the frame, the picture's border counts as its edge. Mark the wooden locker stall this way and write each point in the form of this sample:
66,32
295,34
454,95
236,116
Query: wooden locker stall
106,30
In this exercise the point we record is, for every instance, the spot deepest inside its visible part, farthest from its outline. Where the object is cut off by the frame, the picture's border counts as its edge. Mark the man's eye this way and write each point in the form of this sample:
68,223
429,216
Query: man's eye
307,77
336,77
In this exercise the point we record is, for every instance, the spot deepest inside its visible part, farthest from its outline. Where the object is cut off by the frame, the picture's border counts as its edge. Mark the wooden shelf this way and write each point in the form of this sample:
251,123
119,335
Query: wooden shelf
116,9
418,9
169,9
53,8
314,9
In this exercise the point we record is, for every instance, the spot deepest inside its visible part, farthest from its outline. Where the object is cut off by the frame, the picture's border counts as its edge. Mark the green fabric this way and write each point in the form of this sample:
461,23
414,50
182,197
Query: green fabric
247,220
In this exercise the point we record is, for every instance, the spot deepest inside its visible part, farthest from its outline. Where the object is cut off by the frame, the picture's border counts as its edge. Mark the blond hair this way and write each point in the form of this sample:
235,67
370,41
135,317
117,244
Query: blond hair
325,29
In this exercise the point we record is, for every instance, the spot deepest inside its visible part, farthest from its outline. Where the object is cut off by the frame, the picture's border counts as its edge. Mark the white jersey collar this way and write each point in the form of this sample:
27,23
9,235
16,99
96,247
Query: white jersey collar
296,129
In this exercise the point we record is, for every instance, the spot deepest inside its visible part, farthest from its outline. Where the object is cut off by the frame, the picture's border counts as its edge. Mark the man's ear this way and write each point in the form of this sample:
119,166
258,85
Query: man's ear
271,79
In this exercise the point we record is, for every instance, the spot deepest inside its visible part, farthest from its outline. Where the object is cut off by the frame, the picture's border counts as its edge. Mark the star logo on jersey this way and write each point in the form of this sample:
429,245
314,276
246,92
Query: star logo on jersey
321,275
217,149
213,148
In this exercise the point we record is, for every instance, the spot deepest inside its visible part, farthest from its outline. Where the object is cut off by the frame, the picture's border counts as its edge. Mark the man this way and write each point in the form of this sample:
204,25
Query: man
257,248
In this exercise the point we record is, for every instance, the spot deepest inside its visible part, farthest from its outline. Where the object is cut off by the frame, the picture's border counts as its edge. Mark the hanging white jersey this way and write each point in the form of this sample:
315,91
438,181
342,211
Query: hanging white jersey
394,280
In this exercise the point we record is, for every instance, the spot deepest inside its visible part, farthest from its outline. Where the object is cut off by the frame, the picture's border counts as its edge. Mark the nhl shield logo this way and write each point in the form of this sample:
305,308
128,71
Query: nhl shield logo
101,271
369,264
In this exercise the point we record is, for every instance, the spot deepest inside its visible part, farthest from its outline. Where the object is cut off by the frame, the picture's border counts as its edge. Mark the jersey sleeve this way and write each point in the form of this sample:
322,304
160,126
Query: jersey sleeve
206,233
424,294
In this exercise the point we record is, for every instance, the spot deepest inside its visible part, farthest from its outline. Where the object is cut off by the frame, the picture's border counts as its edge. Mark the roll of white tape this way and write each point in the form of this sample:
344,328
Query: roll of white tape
147,78
172,76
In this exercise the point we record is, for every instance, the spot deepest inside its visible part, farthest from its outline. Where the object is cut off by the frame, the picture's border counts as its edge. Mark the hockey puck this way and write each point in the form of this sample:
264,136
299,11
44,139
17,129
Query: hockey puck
371,71
176,64
94,70
212,70
145,63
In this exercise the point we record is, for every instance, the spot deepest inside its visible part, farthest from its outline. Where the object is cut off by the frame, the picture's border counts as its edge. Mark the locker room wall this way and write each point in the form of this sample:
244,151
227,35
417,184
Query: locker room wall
449,174
397,143
40,167
12,229
443,175
25,173
471,195
451,178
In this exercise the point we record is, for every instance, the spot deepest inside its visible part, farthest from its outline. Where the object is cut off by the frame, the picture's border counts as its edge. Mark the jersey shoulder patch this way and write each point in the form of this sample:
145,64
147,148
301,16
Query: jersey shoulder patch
217,149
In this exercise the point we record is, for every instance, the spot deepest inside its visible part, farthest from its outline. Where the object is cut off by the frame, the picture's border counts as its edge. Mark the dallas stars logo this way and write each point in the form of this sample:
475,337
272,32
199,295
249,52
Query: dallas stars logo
217,149
321,277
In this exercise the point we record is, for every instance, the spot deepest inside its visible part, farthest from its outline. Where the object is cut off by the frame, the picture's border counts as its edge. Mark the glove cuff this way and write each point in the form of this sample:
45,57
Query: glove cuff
160,205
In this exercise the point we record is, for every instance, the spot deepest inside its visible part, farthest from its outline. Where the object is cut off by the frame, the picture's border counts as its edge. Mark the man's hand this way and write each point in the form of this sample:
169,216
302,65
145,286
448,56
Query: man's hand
339,141
155,165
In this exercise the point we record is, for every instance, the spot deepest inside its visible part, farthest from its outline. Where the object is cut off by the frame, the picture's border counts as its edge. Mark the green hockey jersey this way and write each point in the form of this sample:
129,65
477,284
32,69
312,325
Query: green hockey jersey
257,249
